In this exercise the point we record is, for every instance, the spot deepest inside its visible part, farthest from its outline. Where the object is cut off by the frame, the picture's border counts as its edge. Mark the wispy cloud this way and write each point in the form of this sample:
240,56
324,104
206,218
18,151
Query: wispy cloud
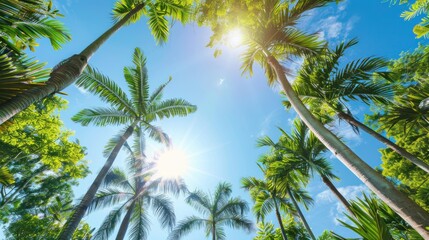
337,209
81,90
220,81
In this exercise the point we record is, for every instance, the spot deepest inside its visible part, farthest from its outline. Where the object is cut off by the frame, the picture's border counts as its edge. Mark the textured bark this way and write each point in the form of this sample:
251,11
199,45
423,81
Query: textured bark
73,222
412,213
337,194
301,216
214,231
399,150
62,76
125,222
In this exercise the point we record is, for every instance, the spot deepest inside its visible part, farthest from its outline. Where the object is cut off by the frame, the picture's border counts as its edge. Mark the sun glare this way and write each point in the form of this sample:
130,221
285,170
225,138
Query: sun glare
172,163
235,37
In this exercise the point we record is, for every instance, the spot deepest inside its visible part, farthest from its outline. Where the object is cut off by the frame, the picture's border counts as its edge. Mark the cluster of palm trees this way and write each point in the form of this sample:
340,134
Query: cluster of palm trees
320,92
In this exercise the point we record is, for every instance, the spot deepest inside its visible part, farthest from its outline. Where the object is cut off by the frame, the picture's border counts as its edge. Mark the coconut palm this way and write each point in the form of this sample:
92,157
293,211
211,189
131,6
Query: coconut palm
321,83
125,12
137,114
274,38
308,151
217,211
266,199
23,22
134,194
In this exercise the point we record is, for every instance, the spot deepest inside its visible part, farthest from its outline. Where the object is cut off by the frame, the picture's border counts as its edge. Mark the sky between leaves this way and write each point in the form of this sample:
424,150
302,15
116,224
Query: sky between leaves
233,111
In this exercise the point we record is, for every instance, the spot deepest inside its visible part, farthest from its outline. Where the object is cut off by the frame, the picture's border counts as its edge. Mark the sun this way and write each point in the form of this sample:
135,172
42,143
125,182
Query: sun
172,163
234,37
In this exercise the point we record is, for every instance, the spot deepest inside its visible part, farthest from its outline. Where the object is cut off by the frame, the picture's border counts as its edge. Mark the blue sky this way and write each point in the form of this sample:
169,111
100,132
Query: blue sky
233,110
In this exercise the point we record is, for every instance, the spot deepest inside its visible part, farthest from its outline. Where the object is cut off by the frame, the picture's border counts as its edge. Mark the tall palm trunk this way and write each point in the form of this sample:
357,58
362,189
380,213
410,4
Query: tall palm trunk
401,151
63,75
301,216
125,222
337,193
279,219
214,230
80,210
412,213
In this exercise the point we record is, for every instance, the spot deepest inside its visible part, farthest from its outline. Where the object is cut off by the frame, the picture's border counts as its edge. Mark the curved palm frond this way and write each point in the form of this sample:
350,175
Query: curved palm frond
108,197
171,107
109,223
108,91
139,222
186,226
200,201
102,117
163,209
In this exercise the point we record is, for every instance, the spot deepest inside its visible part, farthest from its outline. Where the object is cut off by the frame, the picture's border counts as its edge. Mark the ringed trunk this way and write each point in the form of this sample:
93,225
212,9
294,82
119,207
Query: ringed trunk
412,213
73,222
399,150
62,75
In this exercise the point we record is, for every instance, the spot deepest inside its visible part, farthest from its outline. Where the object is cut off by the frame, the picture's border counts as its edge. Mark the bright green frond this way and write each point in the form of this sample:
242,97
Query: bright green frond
170,108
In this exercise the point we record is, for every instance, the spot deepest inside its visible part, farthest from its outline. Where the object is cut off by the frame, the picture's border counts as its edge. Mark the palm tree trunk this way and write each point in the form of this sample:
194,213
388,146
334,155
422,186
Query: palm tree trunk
125,222
401,151
301,216
337,193
412,213
63,75
279,219
214,231
80,210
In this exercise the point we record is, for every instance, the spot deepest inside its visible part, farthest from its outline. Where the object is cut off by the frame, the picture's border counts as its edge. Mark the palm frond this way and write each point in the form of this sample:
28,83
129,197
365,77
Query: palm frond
109,224
139,222
102,117
200,201
185,226
137,80
163,209
108,197
108,91
170,108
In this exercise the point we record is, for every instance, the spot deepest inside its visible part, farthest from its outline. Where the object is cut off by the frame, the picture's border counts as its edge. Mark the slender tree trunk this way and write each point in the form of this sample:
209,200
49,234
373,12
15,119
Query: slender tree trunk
62,76
401,151
337,193
73,222
301,216
279,219
214,231
125,222
412,213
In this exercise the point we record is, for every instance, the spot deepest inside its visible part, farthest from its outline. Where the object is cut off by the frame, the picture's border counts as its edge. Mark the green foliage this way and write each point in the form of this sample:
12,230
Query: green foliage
44,162
406,123
158,13
269,28
418,7
218,210
374,220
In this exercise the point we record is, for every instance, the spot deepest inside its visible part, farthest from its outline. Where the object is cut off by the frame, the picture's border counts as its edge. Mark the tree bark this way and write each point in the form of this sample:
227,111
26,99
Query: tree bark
73,222
401,151
301,216
279,219
412,213
214,231
337,193
61,76
125,222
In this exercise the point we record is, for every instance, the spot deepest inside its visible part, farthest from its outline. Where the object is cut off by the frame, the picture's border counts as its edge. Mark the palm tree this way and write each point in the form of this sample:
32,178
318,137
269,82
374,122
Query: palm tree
218,211
307,151
134,196
322,83
136,113
266,199
125,12
273,38
22,22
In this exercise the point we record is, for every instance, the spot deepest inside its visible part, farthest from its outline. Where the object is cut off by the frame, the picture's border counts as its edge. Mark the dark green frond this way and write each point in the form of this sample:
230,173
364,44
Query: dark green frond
139,222
109,224
108,197
163,209
102,117
108,91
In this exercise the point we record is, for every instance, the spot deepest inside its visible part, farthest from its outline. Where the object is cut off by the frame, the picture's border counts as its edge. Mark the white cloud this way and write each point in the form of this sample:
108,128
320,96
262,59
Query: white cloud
345,131
337,210
331,26
220,82
81,90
